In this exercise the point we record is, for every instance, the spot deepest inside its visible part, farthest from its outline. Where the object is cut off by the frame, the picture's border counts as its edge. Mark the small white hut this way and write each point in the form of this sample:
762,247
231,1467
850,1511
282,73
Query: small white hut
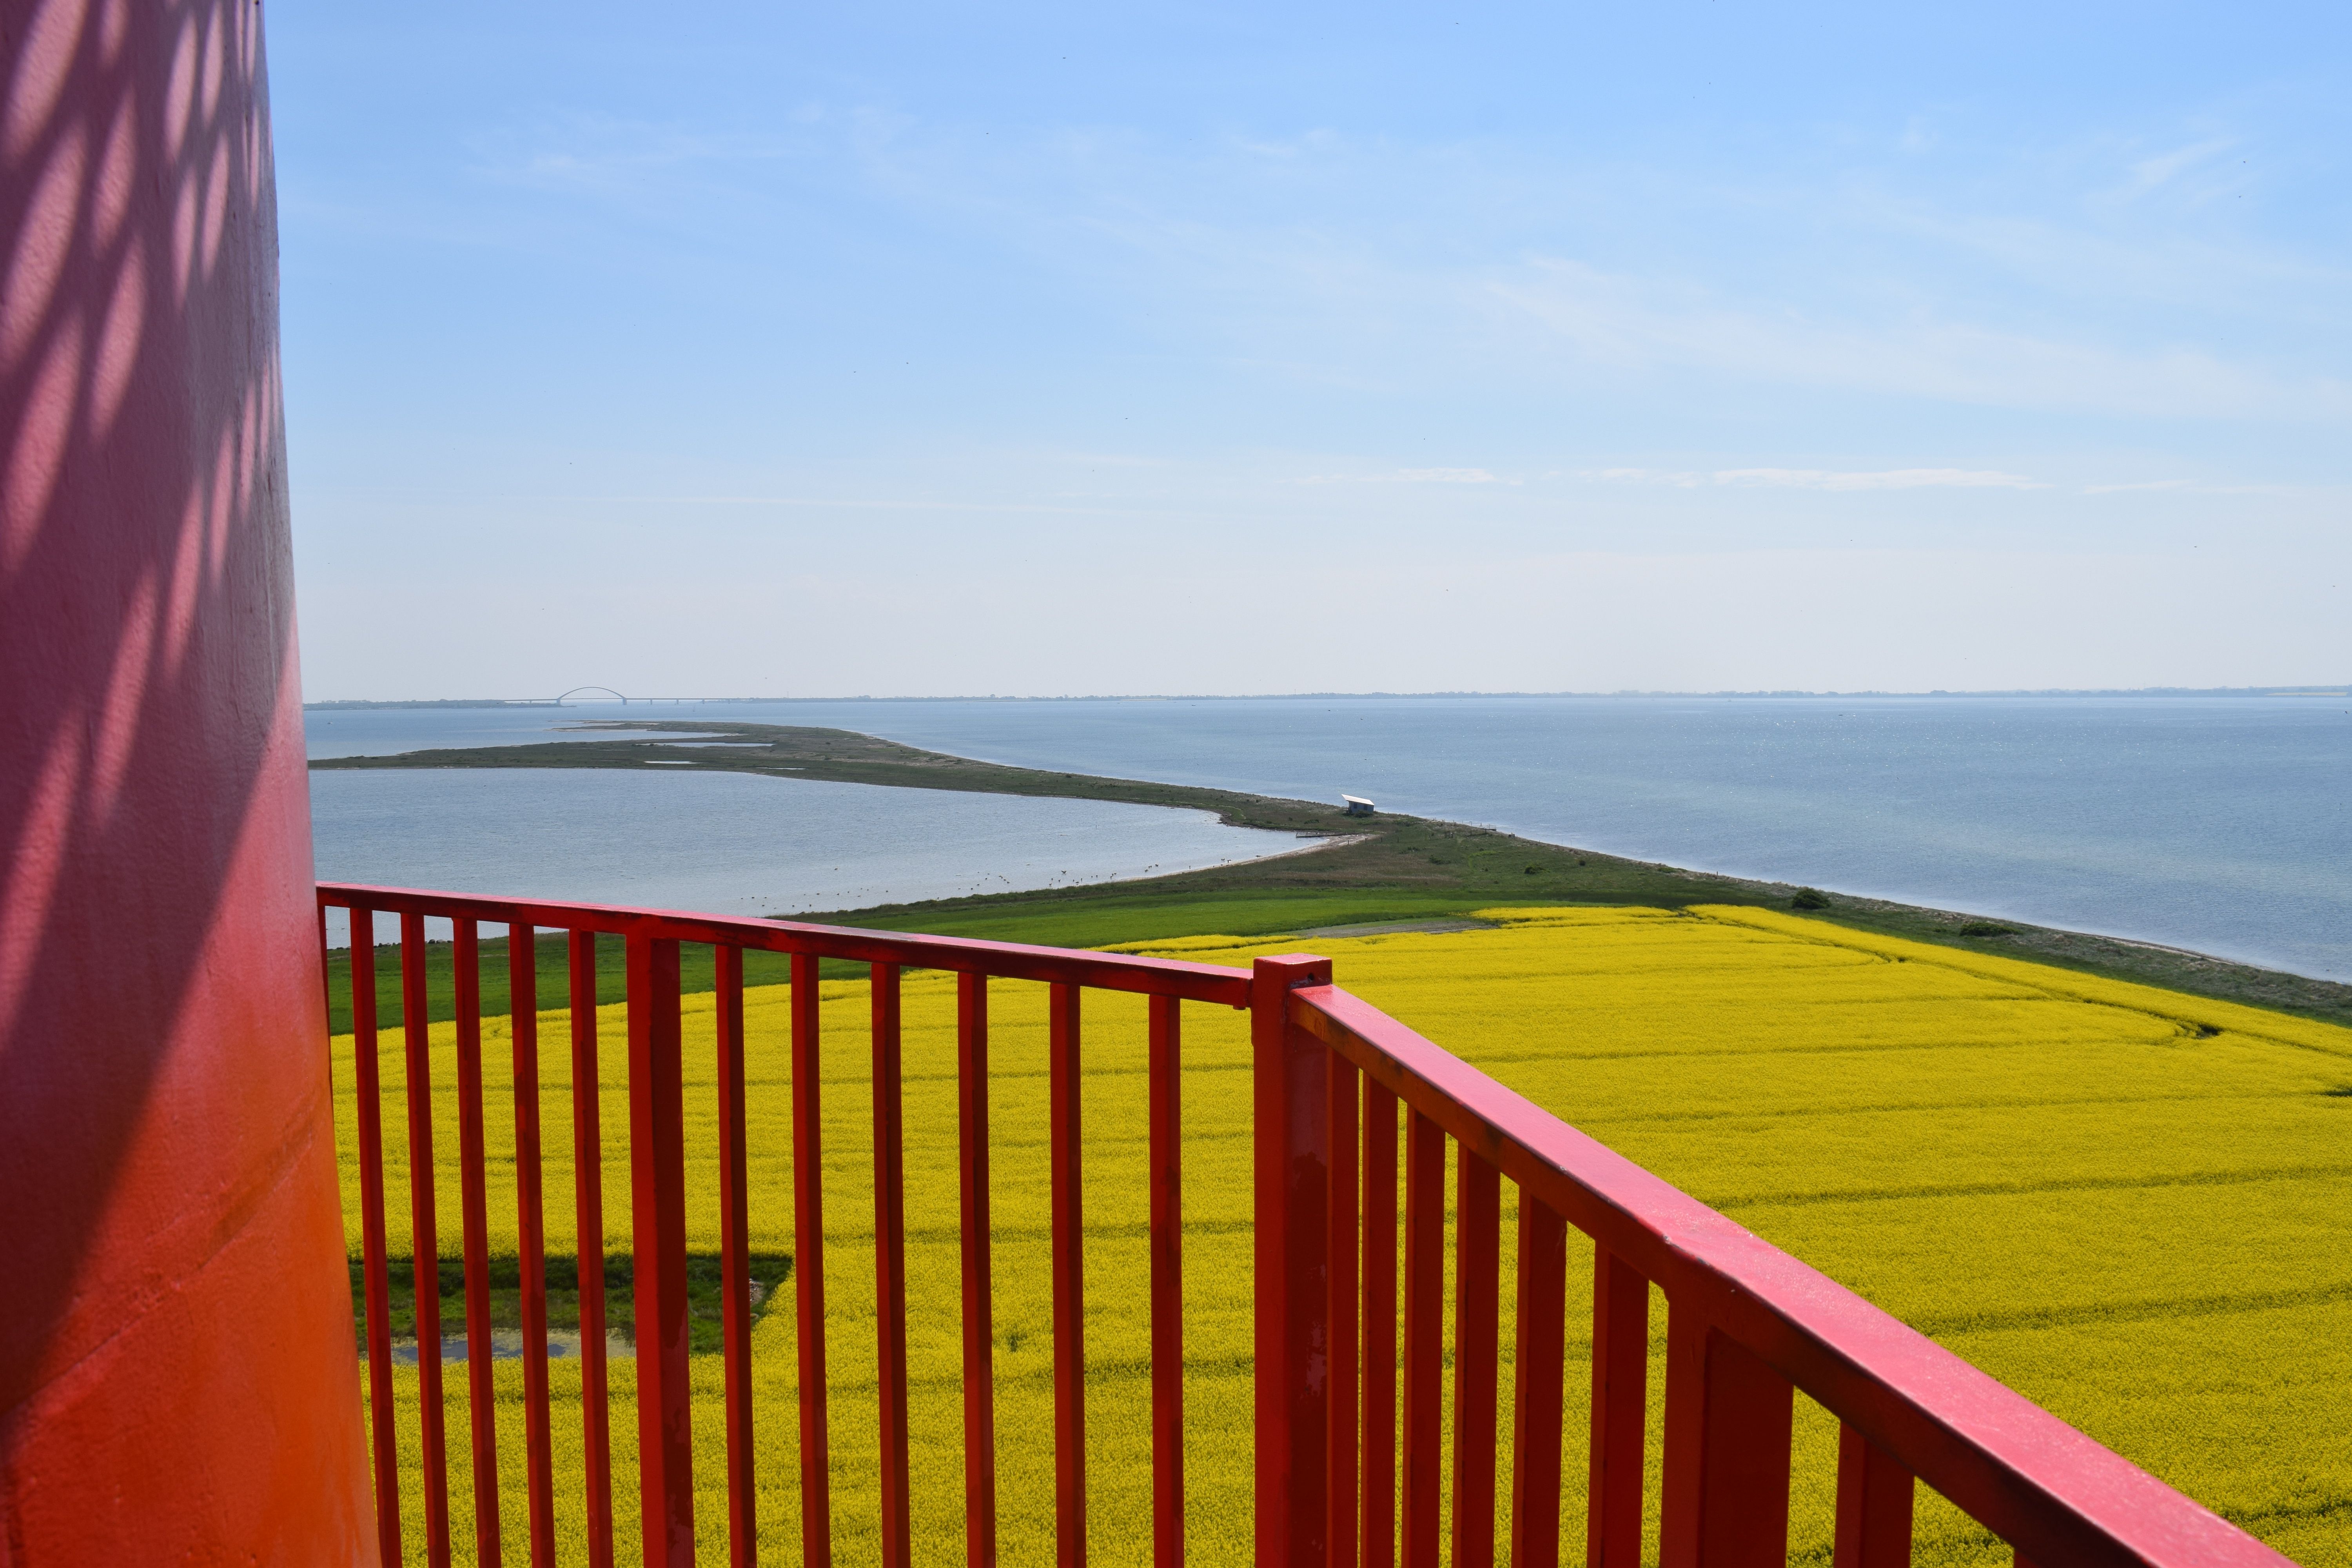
1358,806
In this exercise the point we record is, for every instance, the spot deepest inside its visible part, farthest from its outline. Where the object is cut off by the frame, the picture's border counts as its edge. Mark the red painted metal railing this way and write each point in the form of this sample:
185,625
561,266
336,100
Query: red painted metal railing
1351,1464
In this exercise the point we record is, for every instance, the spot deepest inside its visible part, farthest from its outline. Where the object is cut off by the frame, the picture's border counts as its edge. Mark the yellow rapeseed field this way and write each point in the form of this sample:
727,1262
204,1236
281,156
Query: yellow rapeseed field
2133,1206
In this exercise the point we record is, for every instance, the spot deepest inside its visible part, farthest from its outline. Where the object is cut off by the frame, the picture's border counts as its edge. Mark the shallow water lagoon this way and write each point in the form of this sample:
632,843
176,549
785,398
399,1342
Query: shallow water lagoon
742,844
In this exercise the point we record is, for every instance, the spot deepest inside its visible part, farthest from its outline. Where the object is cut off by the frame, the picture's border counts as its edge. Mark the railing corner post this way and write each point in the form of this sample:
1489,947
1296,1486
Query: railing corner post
1724,1493
1291,1139
1874,1496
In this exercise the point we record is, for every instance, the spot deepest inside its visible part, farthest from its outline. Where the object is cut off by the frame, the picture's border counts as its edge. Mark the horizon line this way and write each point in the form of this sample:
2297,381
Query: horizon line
2340,689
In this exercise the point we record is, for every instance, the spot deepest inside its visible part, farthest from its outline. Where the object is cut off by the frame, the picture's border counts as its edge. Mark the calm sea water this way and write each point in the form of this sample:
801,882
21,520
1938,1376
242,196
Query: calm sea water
2217,824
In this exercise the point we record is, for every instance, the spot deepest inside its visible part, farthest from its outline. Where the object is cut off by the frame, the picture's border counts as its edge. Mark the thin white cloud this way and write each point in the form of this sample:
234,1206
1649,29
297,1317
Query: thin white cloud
2147,173
1821,478
1217,238
1413,477
598,154
1883,479
2190,487
1631,324
1681,478
1447,477
1896,479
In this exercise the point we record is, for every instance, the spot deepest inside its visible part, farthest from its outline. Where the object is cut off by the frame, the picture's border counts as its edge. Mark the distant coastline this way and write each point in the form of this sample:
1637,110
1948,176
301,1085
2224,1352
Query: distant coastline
2341,689
1385,868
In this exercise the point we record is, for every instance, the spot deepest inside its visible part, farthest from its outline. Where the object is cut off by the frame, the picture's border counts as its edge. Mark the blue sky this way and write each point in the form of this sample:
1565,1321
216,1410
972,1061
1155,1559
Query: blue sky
730,349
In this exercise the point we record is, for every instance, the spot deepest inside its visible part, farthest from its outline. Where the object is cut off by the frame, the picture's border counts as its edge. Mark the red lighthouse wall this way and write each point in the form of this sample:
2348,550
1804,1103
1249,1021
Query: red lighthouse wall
177,1379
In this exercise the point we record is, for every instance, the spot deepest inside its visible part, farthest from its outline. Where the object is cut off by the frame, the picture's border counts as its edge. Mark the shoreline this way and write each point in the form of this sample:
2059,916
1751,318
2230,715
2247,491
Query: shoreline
1390,866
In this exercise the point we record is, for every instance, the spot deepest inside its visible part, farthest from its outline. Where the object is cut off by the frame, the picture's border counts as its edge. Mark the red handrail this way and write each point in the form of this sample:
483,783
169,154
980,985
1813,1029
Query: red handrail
1746,1324
1003,960
1733,1299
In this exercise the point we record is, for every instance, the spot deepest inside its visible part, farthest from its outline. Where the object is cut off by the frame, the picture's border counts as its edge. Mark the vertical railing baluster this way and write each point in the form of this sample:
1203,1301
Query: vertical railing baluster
1069,1282
808,1267
1339,1236
1538,1374
588,1188
531,1233
374,1270
1290,1158
1165,1067
979,1313
425,1246
1425,1329
657,1211
890,1266
735,1260
1875,1495
474,1217
1620,1392
1724,1499
1478,1264
1376,1532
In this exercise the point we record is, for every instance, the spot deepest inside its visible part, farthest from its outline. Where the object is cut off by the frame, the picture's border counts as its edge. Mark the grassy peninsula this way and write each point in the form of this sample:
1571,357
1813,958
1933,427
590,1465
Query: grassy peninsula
1383,870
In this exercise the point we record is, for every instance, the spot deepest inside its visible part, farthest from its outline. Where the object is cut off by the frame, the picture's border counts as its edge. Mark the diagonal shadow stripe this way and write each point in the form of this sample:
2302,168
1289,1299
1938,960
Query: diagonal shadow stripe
2004,1189
1936,1324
